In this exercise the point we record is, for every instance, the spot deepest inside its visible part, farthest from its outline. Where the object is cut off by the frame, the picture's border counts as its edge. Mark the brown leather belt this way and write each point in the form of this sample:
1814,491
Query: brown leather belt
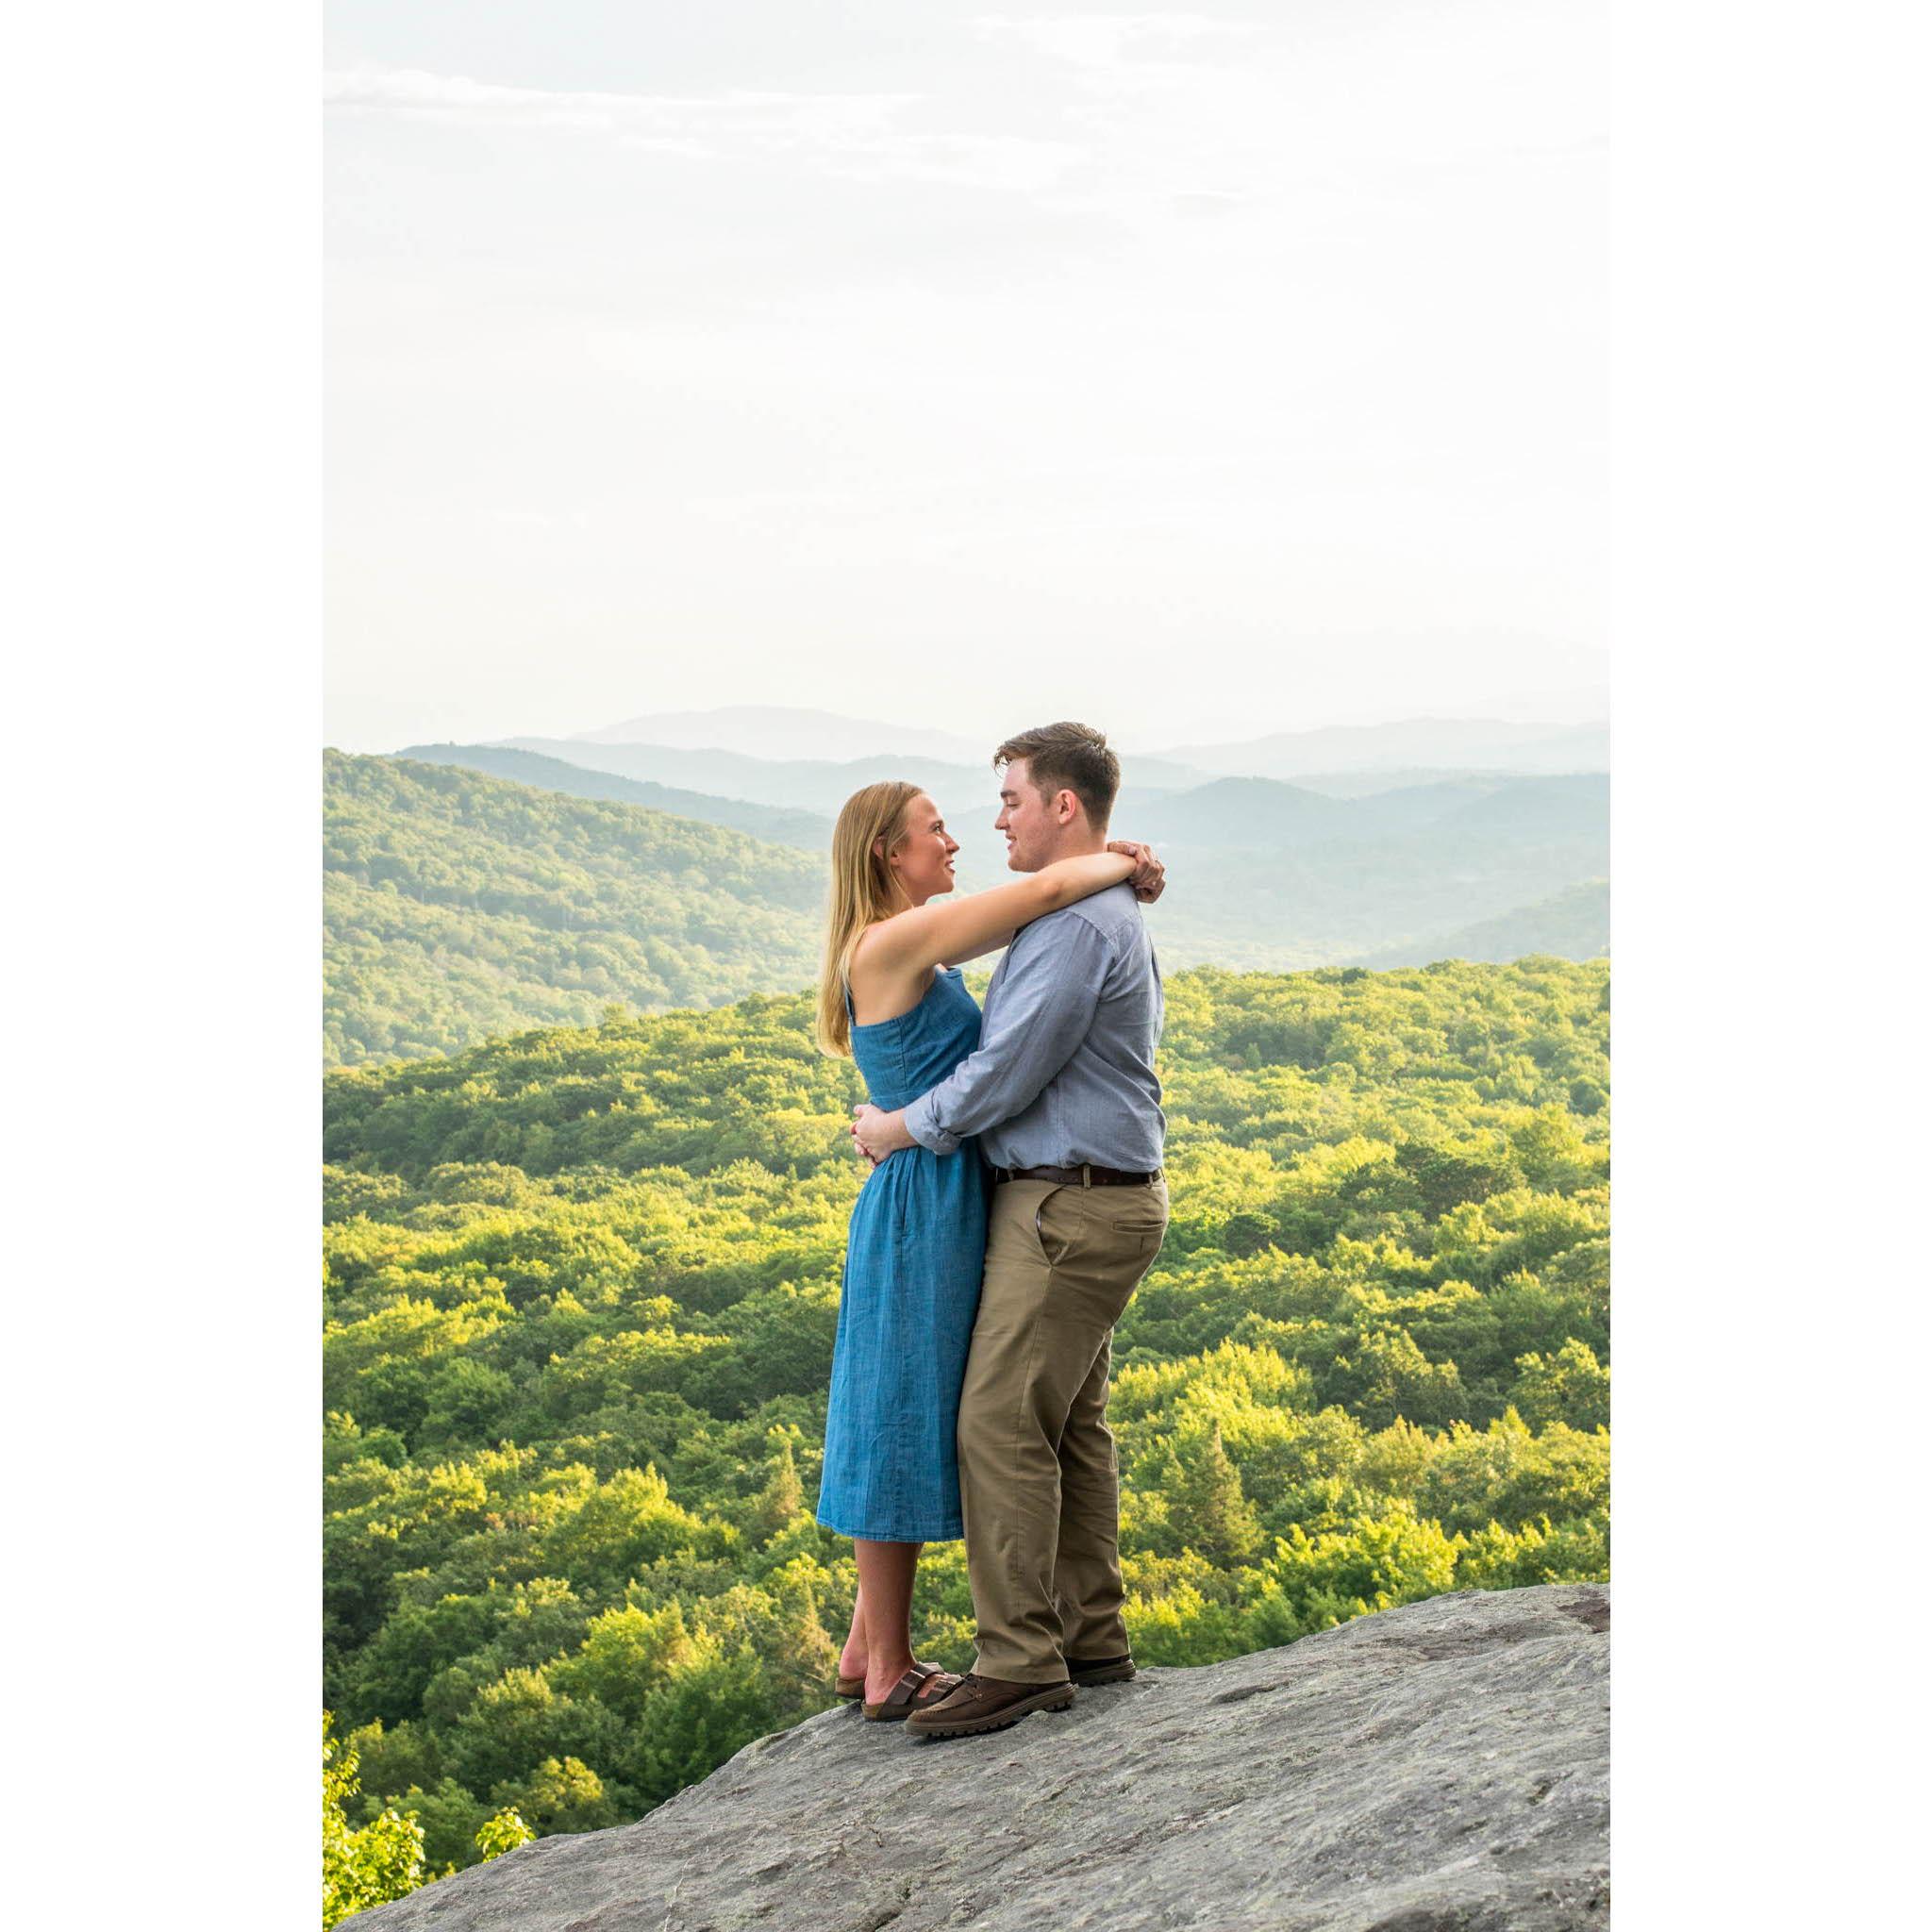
1084,1176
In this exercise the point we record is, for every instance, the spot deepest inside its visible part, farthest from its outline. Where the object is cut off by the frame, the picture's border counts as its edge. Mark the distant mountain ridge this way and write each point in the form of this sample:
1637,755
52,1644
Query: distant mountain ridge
1422,747
819,785
1259,812
1575,804
810,831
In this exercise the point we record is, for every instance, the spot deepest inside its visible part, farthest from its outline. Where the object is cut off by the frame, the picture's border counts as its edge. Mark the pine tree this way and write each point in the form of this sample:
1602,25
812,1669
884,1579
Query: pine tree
781,1501
1208,1507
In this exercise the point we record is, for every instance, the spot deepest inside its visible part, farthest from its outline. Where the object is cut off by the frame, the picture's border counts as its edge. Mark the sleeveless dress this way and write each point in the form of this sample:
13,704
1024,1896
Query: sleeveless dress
908,1295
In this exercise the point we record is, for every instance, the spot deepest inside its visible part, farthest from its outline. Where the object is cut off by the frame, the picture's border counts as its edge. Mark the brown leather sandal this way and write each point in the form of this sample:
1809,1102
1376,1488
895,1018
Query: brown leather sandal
924,1684
853,1688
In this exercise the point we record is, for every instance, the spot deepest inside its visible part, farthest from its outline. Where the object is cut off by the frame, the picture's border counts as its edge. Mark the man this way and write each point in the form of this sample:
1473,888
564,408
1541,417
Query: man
1063,1096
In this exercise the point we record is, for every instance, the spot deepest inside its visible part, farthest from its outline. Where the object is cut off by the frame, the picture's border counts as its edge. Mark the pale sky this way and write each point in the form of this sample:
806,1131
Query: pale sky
1203,375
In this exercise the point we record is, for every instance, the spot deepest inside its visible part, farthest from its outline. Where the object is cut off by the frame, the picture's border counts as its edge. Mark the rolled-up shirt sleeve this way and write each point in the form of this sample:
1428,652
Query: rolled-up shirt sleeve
1047,998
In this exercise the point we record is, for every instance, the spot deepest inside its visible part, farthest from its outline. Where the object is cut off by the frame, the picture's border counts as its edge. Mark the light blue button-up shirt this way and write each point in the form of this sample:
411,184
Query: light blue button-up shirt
1064,1071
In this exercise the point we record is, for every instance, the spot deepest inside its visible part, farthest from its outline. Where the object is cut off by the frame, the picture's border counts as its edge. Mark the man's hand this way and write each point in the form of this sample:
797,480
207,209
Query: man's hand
876,1135
1149,878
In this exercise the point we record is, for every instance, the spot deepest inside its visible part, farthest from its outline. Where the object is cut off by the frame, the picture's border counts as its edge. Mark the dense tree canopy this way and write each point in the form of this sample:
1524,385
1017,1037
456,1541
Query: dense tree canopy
581,1288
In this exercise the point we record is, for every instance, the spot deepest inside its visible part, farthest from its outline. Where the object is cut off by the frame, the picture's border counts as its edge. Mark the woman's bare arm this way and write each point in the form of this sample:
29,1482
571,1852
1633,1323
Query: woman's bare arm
991,945
1148,879
933,935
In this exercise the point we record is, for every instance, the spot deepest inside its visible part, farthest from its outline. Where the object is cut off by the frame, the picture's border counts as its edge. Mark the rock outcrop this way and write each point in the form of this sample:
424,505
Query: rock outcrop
1439,1768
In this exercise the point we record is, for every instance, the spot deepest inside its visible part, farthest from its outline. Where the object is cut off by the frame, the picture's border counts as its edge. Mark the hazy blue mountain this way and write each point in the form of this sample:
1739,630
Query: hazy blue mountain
1576,748
1536,808
1460,744
1263,874
1262,812
1330,903
1573,924
1410,807
810,831
1400,777
1243,811
816,785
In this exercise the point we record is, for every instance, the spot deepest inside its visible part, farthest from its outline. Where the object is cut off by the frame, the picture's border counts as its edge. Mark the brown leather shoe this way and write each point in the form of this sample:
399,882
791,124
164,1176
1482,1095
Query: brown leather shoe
986,1704
1099,1670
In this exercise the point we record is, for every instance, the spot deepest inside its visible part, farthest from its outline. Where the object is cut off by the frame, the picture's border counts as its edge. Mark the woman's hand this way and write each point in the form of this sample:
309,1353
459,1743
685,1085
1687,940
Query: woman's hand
1149,876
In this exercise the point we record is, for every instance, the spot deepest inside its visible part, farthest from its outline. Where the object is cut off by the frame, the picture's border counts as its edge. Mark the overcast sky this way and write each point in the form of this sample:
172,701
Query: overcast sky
1202,375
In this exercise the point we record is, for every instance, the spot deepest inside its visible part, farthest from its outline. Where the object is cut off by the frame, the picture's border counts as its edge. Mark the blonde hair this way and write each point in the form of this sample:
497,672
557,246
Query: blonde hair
871,827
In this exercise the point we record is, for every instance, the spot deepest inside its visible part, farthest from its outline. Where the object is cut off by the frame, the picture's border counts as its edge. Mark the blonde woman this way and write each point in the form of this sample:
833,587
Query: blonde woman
892,997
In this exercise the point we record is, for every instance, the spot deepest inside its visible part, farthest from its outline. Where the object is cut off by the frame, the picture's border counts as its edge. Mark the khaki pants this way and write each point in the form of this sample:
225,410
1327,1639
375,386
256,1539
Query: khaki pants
1038,1479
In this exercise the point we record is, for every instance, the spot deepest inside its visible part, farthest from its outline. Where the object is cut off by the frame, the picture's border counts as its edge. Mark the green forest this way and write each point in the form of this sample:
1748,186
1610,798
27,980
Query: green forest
581,1286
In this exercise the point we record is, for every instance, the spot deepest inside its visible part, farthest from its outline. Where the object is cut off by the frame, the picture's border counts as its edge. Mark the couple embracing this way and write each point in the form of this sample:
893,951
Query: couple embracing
1015,1201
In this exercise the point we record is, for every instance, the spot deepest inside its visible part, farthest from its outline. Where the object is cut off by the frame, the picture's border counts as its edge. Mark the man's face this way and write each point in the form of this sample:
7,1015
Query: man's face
1030,821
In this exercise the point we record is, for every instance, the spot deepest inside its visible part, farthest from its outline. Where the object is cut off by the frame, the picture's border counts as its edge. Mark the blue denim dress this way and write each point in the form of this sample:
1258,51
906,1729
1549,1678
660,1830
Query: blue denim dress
909,1297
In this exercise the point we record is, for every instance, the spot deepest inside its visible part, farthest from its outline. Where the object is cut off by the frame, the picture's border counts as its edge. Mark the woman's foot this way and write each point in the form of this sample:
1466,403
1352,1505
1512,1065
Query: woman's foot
918,1688
881,1682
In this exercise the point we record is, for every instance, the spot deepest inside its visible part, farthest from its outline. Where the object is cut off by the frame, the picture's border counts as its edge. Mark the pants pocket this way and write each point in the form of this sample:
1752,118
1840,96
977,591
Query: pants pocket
1053,1246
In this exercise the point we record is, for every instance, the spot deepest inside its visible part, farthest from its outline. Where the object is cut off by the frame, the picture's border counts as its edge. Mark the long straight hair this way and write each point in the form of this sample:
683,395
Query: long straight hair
871,827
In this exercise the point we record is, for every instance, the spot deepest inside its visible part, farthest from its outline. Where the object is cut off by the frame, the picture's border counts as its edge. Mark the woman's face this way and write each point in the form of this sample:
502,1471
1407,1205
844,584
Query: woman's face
923,863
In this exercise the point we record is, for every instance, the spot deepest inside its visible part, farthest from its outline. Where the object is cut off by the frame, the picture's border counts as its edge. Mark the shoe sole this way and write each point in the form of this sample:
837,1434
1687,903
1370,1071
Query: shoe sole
1114,1674
1060,1698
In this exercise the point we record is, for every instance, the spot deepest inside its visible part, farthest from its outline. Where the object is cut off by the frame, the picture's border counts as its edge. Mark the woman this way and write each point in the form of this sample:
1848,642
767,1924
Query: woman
892,997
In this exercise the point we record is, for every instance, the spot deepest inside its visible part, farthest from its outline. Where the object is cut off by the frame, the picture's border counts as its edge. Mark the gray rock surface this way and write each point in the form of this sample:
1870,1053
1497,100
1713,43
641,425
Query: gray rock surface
1439,1768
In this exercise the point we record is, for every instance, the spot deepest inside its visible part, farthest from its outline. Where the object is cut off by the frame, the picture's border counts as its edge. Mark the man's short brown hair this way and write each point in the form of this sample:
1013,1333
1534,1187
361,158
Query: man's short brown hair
1067,757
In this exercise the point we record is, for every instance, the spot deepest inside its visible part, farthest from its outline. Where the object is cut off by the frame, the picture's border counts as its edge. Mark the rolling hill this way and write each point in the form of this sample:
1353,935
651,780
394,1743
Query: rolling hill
458,908
1329,904
1574,925
1577,806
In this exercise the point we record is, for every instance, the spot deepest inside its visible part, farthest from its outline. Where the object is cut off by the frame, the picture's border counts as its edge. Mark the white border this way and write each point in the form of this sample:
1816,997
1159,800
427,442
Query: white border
162,596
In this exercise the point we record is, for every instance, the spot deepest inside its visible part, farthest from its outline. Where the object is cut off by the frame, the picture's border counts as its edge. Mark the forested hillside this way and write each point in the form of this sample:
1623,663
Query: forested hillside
1574,925
581,1293
458,906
